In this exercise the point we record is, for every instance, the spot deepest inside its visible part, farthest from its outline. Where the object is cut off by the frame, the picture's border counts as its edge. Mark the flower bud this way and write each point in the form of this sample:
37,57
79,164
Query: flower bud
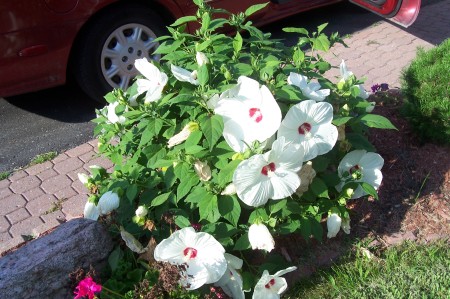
229,190
203,171
141,211
201,58
260,237
370,108
183,135
345,225
333,225
108,202
91,211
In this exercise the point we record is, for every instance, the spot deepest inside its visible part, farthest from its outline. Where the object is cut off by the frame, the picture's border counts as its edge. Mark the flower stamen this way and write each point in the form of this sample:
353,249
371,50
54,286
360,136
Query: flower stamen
269,168
190,253
270,283
304,129
255,114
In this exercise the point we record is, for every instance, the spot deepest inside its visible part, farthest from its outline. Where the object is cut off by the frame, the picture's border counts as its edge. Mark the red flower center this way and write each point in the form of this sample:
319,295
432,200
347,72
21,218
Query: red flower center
255,114
269,167
304,128
270,283
354,168
190,252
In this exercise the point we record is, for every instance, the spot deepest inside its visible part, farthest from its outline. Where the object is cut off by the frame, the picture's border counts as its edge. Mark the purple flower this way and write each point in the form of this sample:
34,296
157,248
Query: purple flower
375,87
384,86
380,87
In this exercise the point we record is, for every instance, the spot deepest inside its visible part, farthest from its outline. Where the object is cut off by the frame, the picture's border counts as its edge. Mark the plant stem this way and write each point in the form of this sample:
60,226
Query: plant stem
112,292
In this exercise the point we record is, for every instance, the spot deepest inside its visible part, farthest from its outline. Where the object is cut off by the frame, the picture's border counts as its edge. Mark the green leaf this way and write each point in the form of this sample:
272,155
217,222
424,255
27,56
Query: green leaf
220,230
183,20
114,258
316,229
299,56
203,45
182,221
168,47
320,163
276,205
369,189
230,209
226,174
254,8
242,69
237,43
289,227
186,183
193,139
296,30
132,191
203,75
259,213
206,20
340,120
319,188
358,141
208,208
212,128
242,243
321,27
322,43
305,228
377,121
160,199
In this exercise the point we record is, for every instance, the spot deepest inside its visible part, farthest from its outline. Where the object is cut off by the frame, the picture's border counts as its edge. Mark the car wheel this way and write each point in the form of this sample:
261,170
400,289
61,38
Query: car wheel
109,46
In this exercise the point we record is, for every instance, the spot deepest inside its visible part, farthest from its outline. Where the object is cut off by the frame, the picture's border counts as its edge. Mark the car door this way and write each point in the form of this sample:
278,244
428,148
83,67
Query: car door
402,12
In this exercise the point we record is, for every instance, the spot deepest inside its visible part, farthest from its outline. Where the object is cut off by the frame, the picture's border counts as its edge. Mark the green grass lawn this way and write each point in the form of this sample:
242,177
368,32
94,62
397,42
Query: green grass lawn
406,271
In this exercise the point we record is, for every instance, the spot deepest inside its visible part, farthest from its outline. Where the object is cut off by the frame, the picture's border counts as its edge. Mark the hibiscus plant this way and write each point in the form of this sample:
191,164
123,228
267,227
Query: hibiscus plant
227,142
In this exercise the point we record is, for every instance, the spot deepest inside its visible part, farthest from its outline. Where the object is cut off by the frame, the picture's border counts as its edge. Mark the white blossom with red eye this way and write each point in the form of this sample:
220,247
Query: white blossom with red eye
272,175
154,81
360,166
200,252
311,90
309,124
250,113
271,286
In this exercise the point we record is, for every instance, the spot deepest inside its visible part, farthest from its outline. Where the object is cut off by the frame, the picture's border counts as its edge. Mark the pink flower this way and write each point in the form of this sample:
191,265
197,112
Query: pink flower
87,287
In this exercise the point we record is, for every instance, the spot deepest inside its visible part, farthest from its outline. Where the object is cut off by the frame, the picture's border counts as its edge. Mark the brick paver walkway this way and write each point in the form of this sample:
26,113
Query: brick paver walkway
30,198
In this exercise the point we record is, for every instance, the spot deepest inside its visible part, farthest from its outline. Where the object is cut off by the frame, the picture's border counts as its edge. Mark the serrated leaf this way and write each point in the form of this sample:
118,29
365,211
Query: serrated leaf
242,69
230,209
183,20
321,27
208,208
193,139
254,8
322,43
377,121
259,213
168,47
212,128
289,227
242,243
160,199
204,45
296,30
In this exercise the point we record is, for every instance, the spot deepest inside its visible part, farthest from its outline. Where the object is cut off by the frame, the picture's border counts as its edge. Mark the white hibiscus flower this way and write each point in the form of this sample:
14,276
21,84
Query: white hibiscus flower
361,166
154,81
91,211
271,286
310,90
309,123
108,202
231,281
272,175
202,254
250,113
346,74
184,75
335,223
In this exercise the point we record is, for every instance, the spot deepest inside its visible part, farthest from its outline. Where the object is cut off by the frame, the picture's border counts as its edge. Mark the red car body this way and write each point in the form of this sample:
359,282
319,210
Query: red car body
40,38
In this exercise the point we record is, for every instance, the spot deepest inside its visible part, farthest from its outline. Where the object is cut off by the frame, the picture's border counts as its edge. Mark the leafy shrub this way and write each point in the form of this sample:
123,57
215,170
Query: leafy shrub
427,93
226,141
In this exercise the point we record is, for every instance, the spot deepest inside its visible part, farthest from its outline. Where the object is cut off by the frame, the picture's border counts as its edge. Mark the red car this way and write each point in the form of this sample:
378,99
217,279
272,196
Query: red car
41,41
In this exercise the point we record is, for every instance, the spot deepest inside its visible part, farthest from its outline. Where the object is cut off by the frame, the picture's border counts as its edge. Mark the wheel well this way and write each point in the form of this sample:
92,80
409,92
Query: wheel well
162,11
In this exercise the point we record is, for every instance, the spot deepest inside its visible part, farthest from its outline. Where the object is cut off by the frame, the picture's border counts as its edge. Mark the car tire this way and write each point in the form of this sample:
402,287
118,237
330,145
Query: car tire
106,51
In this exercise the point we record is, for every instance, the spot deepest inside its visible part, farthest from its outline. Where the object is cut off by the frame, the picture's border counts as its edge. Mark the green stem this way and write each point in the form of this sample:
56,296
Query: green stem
112,292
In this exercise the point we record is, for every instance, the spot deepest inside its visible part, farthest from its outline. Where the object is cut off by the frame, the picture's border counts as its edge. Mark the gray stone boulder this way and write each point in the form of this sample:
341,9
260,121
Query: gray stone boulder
41,268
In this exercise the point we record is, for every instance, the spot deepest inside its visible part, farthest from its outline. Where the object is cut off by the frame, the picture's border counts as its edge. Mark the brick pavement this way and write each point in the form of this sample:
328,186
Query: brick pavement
29,199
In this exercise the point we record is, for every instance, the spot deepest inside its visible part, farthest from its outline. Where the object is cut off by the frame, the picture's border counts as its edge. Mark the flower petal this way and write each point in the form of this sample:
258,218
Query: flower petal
91,211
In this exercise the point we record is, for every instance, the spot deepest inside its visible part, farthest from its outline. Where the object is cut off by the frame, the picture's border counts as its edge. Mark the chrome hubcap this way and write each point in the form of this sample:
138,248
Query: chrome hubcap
123,46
